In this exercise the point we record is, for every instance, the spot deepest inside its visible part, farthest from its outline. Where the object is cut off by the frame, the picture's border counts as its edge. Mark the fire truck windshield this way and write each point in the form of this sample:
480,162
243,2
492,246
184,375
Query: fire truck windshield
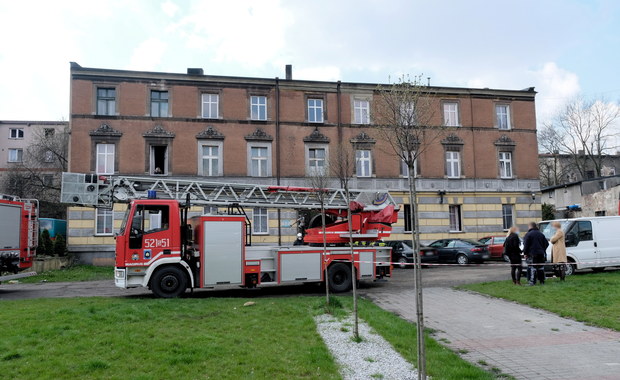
125,217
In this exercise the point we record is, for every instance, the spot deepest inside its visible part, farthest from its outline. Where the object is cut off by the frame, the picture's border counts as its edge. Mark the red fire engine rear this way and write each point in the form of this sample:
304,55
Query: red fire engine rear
18,236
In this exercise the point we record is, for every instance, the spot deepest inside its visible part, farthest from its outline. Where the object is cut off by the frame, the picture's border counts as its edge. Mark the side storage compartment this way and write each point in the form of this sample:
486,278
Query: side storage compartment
223,243
300,266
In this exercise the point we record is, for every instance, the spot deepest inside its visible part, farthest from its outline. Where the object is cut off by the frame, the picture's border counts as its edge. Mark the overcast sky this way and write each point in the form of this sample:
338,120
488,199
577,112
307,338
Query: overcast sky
563,47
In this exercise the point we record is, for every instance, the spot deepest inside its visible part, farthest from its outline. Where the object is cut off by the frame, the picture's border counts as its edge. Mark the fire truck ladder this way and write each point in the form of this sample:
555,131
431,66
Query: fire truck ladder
103,191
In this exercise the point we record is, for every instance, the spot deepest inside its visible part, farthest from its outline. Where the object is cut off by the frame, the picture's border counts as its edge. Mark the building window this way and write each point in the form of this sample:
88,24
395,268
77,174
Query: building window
361,111
106,101
210,210
316,160
259,160
453,164
210,106
407,216
49,156
455,218
507,216
158,160
16,155
260,221
407,114
258,107
404,168
505,164
49,132
16,133
159,103
502,113
599,213
210,160
105,159
451,114
315,110
363,163
48,179
104,221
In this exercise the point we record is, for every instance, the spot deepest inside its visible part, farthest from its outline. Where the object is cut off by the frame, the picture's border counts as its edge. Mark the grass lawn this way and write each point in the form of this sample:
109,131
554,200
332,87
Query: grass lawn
110,338
587,297
189,338
73,273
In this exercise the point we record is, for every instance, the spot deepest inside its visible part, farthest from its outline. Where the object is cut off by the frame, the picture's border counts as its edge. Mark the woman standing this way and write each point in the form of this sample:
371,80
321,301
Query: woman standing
512,249
558,250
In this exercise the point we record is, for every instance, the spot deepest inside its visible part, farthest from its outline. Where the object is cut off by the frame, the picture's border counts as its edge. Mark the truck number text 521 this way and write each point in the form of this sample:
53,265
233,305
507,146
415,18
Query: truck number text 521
156,243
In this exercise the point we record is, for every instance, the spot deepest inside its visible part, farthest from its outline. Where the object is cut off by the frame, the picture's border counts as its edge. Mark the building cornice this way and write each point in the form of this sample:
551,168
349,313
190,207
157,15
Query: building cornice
89,73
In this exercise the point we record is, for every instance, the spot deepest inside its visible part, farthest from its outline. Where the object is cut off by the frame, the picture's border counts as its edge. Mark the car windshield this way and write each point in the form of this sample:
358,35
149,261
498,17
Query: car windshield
484,240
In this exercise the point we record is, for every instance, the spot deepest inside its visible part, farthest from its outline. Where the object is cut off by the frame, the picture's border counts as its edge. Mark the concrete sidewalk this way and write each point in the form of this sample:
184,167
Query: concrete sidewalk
521,341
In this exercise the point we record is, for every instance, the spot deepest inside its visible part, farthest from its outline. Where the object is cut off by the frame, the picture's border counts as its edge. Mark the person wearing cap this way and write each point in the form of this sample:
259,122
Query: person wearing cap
299,240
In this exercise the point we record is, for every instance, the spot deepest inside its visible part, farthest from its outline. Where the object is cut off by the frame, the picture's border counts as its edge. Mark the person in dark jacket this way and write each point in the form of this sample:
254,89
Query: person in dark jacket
535,247
512,249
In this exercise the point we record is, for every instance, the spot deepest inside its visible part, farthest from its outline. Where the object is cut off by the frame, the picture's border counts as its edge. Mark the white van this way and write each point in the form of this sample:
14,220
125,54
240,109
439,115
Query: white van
591,242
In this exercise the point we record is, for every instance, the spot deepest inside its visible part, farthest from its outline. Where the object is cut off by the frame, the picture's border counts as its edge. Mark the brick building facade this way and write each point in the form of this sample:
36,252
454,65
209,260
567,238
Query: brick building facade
480,177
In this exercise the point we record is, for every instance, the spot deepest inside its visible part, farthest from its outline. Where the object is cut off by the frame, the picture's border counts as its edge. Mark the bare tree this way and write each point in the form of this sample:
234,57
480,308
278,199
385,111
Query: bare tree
553,168
403,116
343,168
586,130
38,175
318,179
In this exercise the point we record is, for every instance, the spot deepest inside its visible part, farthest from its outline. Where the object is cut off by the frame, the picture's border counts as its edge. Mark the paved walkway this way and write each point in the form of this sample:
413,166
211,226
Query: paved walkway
521,341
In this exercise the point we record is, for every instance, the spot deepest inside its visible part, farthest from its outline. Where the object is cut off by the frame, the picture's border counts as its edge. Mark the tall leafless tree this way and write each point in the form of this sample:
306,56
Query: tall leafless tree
404,115
587,131
318,179
343,168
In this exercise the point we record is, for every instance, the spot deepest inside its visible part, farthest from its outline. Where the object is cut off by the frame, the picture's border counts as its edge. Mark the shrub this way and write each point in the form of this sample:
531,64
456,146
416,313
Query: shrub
60,246
46,245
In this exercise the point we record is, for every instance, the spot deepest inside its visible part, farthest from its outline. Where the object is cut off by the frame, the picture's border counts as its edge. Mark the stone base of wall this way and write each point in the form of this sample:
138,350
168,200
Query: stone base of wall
97,255
44,264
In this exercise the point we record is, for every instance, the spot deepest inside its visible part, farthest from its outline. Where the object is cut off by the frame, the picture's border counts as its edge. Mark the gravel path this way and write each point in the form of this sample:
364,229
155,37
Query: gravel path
373,358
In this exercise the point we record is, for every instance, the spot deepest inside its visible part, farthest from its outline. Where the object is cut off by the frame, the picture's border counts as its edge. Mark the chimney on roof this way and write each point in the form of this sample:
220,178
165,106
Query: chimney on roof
289,72
580,152
195,71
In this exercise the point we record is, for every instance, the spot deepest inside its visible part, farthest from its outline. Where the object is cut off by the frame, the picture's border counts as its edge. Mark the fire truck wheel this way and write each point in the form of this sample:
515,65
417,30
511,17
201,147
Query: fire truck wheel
169,282
339,277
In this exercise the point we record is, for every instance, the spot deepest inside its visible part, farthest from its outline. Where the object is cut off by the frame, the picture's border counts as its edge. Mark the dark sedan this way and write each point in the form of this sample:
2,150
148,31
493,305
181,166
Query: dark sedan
402,253
461,251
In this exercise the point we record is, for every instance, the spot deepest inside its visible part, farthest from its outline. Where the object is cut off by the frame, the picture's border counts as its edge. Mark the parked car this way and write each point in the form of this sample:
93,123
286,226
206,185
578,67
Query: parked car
461,251
402,253
496,246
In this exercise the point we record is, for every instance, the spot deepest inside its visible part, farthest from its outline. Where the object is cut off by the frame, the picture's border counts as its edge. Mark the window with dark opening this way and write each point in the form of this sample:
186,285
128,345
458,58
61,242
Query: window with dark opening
159,160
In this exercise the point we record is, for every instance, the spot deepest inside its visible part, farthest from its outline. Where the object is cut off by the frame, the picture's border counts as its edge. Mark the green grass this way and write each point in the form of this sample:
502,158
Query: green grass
590,298
214,338
73,273
442,363
110,338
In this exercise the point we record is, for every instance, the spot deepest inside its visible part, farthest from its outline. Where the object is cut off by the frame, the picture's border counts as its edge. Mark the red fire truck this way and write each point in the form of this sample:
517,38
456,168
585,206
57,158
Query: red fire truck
161,246
19,232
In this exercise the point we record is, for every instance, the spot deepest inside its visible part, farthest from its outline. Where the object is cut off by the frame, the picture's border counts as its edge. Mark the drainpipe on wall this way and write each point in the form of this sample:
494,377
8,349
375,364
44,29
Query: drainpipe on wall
339,107
473,135
278,154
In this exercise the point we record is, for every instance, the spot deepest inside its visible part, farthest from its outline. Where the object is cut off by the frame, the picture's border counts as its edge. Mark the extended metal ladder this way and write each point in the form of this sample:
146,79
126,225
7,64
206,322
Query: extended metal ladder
103,191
